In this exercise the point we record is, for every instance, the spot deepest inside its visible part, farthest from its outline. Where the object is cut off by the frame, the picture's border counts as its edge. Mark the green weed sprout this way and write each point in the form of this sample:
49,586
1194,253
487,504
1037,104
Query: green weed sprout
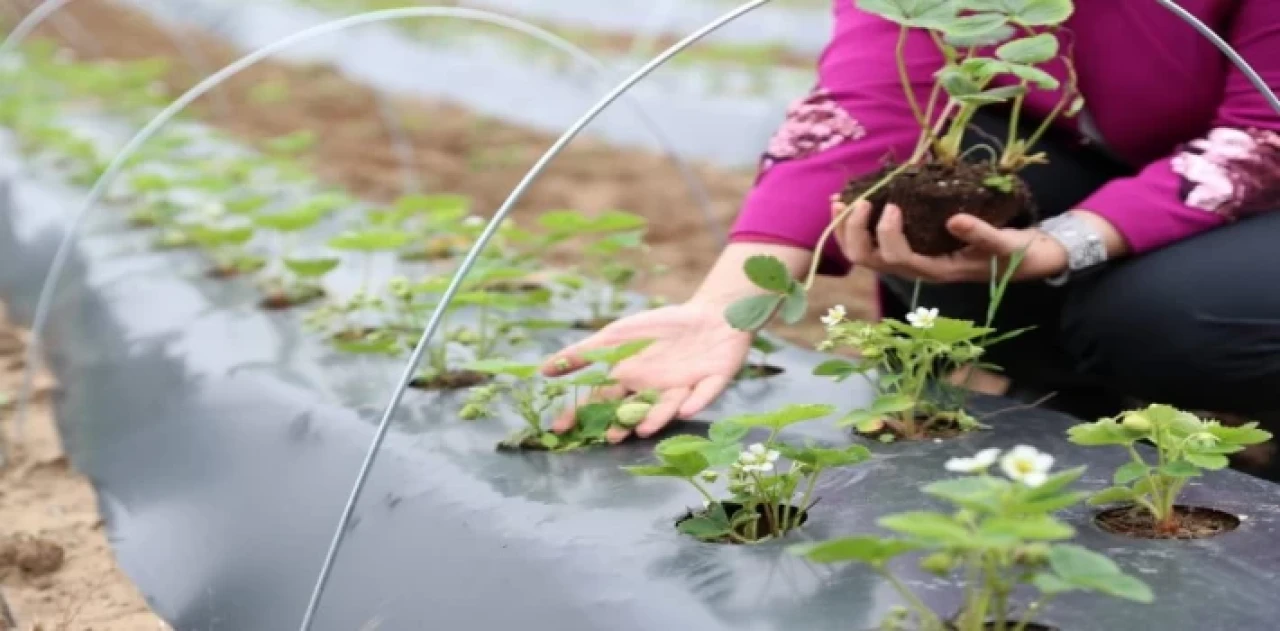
766,499
1186,446
1000,537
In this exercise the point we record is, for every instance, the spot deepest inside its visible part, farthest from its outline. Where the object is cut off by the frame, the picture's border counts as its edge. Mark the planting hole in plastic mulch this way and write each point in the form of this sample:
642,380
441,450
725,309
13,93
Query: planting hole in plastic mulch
452,380
792,516
891,433
1190,522
759,371
222,273
1009,626
280,300
517,287
594,324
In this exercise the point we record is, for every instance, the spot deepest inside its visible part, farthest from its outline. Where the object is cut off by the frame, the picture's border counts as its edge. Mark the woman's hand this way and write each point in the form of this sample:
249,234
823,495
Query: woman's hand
694,356
1043,257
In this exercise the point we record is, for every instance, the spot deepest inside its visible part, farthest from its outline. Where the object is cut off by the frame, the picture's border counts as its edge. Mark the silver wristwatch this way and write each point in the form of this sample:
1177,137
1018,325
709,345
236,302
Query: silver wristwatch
1085,248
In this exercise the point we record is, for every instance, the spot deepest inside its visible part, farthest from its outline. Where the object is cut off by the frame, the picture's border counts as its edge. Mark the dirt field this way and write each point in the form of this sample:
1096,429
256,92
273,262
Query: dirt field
450,144
57,571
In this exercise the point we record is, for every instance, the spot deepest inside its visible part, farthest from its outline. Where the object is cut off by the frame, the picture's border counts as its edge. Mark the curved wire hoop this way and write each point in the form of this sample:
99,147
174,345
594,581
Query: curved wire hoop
411,366
44,302
47,9
1258,83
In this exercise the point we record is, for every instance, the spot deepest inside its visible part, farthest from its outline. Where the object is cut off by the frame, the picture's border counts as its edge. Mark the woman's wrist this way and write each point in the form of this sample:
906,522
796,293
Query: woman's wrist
1114,242
727,283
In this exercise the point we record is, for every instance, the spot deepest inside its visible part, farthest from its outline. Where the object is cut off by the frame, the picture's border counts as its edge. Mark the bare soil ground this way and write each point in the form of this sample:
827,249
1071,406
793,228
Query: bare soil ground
57,570
456,151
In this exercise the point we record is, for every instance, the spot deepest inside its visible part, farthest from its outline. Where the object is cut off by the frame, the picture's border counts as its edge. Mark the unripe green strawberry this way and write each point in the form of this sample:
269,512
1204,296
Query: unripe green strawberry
631,414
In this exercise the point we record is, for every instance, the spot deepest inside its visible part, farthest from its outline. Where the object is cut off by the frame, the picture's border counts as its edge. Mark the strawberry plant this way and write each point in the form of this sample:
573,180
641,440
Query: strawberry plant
999,535
535,400
766,500
1186,446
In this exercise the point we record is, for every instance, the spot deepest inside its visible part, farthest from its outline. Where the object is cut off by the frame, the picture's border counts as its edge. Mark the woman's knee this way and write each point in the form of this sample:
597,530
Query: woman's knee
1163,328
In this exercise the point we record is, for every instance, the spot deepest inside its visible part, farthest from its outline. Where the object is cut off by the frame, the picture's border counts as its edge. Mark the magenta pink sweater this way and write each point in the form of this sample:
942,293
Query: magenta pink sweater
1160,95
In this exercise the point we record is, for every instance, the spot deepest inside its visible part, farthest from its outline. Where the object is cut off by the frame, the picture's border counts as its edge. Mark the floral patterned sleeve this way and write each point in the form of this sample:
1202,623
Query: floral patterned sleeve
1233,172
854,120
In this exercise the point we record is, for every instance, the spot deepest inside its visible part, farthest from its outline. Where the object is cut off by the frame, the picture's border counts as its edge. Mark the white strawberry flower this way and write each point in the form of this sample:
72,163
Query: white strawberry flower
980,461
834,316
1027,465
923,317
757,459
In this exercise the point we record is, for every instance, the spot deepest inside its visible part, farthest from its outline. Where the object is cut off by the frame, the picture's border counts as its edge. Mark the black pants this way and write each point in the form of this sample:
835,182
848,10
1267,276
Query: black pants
1195,324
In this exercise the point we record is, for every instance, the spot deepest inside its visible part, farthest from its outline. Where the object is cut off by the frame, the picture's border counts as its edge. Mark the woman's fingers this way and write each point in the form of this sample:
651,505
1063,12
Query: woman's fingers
663,411
569,358
857,236
702,395
894,248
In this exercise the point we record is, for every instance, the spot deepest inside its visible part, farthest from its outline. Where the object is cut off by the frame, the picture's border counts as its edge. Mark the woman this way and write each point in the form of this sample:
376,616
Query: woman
1159,279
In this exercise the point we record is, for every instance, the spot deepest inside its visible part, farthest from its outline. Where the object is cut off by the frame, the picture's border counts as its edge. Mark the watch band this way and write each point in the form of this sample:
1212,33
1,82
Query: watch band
1085,248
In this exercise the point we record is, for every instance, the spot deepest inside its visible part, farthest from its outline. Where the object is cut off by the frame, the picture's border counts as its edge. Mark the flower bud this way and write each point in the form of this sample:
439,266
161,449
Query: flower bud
1202,440
938,563
471,412
631,414
1033,553
710,476
1136,421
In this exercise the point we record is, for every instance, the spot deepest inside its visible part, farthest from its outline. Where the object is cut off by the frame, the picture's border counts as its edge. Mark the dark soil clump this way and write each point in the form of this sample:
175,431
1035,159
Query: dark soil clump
931,194
1191,522
452,380
33,555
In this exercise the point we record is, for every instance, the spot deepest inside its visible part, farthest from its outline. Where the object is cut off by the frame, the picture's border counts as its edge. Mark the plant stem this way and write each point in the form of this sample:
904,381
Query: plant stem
811,482
928,619
1012,140
1031,612
900,58
1069,94
702,490
827,232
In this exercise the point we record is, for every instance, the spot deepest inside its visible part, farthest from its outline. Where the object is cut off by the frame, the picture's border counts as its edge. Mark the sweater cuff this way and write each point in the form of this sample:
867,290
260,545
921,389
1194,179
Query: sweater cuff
1148,212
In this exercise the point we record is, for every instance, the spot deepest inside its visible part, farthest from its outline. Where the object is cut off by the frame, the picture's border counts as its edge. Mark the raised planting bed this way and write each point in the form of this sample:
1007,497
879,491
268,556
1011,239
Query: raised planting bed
223,434
223,439
693,107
